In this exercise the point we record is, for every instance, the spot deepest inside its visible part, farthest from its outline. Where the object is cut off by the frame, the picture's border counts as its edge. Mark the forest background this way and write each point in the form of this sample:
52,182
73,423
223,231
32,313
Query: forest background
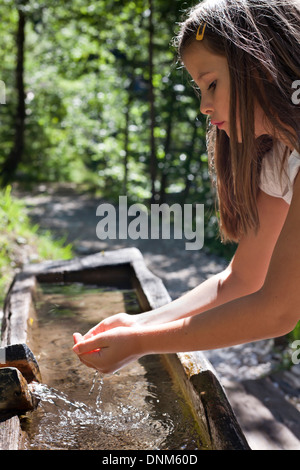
94,95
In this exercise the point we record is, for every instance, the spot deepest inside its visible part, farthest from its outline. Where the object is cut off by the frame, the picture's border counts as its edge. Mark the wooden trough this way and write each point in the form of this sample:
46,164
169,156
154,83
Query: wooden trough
121,268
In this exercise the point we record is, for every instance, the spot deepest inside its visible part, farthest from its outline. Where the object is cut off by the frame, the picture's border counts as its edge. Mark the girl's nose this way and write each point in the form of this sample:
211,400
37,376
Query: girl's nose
206,107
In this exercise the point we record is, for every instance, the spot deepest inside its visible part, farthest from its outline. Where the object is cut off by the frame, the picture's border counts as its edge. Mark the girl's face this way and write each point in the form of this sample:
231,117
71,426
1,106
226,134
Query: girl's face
210,72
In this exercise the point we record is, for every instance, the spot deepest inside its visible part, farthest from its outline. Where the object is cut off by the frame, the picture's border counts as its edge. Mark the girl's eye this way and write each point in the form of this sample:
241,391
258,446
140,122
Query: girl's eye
213,85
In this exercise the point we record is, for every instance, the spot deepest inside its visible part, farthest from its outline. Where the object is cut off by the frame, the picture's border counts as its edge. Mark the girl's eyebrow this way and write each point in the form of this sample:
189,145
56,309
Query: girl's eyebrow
201,75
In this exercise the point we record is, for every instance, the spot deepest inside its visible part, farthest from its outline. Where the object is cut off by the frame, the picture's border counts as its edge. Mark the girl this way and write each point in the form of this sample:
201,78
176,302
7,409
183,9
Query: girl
244,58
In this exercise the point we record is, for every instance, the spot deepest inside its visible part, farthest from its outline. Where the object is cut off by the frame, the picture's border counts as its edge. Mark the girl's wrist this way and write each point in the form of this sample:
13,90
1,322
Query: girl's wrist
158,338
145,319
158,316
144,338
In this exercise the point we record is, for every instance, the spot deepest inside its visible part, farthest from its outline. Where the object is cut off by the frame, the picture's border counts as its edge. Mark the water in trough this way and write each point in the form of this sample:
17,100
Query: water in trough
138,407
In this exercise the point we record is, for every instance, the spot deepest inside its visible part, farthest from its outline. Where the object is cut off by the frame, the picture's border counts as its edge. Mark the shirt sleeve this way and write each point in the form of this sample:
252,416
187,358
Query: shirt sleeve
293,169
279,182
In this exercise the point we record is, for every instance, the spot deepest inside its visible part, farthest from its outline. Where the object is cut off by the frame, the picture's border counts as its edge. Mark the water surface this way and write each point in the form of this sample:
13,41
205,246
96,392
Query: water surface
137,408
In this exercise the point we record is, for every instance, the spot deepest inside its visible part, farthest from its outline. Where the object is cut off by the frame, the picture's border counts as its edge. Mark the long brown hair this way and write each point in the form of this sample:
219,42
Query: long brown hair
261,41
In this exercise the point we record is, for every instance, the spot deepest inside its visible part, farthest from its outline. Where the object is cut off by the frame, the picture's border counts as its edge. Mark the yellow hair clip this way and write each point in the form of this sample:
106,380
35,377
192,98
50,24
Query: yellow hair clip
201,31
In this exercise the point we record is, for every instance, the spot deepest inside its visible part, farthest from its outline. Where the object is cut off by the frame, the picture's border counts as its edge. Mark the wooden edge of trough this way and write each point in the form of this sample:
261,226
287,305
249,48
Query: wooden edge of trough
192,372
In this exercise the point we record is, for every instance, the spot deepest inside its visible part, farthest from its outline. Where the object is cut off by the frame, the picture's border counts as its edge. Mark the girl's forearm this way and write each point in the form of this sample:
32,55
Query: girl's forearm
243,320
217,290
250,318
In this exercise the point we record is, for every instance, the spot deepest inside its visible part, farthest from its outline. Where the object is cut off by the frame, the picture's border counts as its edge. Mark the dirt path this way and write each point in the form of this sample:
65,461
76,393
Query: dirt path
267,408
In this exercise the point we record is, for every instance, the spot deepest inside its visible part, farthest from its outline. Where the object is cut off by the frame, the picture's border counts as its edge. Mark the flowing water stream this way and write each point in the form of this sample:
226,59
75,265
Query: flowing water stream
137,408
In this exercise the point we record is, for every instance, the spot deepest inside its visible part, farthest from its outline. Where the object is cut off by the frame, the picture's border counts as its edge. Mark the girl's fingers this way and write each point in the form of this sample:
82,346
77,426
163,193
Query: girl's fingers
93,331
84,361
77,337
84,346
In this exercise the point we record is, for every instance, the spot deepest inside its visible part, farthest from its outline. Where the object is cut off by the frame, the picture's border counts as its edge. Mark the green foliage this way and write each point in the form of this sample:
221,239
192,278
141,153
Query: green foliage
295,334
87,82
21,242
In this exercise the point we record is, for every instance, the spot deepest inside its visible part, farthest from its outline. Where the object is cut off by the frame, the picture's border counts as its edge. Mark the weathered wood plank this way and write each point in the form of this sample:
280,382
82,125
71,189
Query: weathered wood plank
11,435
197,379
21,357
16,313
15,395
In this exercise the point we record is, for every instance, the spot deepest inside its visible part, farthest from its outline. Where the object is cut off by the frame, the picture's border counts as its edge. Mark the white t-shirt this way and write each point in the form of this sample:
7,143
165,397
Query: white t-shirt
272,181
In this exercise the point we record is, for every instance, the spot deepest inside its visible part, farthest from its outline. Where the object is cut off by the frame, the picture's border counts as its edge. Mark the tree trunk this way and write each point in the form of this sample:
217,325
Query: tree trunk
126,143
16,153
164,176
153,162
188,163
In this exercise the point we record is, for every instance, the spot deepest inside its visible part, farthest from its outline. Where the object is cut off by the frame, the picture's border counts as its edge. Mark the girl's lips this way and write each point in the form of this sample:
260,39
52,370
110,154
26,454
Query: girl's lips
218,124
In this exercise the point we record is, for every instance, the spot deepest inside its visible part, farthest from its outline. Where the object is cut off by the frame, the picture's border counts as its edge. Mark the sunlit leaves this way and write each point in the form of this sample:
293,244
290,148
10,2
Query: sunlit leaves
87,97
